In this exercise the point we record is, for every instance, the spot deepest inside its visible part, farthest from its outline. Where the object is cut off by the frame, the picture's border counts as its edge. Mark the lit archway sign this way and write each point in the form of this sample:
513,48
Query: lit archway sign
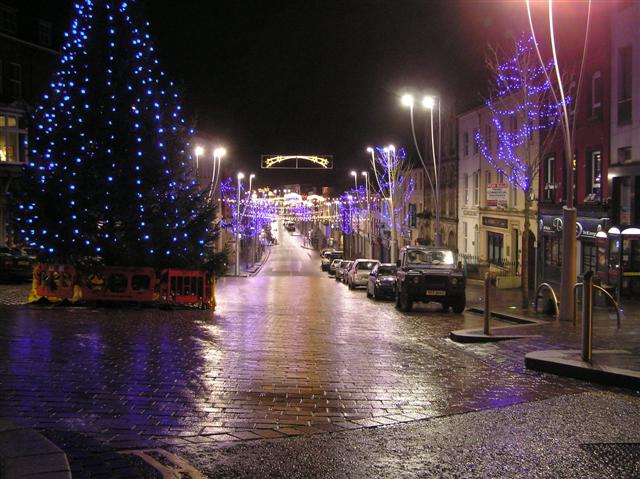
297,162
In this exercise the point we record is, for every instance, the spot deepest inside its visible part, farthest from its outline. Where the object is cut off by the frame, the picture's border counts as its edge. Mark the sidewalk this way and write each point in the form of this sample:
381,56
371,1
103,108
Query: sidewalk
557,344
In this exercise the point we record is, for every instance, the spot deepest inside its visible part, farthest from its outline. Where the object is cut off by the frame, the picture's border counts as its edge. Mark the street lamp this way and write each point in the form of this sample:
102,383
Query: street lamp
240,176
251,177
429,103
218,153
198,151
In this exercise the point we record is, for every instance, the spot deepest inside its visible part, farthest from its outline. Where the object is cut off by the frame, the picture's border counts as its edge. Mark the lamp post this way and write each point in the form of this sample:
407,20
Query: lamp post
240,176
391,151
250,197
366,180
429,102
218,153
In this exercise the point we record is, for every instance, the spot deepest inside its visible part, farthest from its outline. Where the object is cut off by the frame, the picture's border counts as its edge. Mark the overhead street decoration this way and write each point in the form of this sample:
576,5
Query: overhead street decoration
297,162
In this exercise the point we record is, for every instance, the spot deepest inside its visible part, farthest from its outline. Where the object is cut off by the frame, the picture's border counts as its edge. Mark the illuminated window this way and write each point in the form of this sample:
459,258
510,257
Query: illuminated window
11,137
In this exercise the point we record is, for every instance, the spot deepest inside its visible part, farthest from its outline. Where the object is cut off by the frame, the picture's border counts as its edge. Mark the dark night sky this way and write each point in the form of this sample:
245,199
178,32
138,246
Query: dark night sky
318,77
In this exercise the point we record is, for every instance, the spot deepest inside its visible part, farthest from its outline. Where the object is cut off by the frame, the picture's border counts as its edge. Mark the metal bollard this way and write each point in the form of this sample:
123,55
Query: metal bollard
587,316
487,309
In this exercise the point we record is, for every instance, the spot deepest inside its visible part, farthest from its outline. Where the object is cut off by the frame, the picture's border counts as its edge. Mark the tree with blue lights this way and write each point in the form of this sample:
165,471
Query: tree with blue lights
109,176
522,113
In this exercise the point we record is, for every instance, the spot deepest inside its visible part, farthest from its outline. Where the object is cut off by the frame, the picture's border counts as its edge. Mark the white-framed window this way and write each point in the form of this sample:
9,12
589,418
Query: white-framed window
465,235
476,188
487,136
513,192
550,178
44,33
465,186
595,175
487,177
15,80
596,95
465,142
475,143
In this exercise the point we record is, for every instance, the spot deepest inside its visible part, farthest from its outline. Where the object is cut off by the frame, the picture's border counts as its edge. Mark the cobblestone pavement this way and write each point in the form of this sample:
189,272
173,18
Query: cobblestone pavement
288,352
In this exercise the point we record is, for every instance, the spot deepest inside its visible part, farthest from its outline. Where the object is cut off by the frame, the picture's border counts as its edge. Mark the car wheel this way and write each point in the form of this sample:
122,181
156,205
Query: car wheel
397,298
375,293
337,278
350,285
369,295
445,307
459,305
406,304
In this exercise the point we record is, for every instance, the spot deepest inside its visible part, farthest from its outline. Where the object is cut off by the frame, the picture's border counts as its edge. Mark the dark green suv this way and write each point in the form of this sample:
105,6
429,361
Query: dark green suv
429,274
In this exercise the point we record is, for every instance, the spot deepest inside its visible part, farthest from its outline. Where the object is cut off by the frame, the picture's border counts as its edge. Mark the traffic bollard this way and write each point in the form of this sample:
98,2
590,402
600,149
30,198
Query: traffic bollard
587,316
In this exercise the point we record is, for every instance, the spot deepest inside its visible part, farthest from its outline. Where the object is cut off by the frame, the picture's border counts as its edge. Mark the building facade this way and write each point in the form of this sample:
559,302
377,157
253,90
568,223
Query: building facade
27,61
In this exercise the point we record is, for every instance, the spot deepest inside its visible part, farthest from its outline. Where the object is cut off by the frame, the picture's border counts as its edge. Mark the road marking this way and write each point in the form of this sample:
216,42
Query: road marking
166,463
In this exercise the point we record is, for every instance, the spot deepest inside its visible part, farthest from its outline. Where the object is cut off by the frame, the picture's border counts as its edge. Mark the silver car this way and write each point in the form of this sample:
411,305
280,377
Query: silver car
358,275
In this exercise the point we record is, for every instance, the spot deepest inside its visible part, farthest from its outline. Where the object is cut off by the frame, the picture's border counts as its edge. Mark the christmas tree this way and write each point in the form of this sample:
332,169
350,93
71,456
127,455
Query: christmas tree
109,176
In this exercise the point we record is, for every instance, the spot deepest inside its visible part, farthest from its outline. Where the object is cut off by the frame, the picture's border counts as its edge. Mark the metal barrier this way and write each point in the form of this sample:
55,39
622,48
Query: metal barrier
553,294
601,289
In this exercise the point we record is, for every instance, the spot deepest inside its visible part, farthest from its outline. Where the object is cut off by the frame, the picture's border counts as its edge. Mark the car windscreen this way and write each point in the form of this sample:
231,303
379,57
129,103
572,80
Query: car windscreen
430,257
387,271
366,265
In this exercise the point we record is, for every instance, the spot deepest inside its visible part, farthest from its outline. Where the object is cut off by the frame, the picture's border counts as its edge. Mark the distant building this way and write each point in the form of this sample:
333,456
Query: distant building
28,57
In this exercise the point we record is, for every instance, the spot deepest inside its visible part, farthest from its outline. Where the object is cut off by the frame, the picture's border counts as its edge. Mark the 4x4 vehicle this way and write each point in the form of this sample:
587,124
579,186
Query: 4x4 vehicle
328,257
429,274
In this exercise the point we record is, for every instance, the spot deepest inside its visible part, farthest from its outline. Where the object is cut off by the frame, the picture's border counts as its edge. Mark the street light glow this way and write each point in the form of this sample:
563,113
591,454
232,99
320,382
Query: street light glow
199,150
392,148
353,173
240,176
407,100
369,149
428,102
219,152
364,173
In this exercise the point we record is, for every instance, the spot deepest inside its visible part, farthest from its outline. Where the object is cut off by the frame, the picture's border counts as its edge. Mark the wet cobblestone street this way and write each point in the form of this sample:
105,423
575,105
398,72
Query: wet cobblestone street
286,353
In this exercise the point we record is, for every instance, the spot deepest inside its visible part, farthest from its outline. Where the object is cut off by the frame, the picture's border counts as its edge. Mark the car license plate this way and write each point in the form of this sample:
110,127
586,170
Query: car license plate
436,292
23,263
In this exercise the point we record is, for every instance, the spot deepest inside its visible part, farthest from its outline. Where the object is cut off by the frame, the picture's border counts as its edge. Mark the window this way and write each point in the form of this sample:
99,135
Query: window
476,188
487,176
588,257
552,251
465,184
495,244
465,235
44,33
466,143
594,166
475,142
487,136
624,85
550,178
514,124
15,80
10,140
624,154
513,193
595,103
8,21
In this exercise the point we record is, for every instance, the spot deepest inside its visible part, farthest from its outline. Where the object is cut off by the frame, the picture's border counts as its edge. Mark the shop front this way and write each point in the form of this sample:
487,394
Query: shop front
551,228
618,257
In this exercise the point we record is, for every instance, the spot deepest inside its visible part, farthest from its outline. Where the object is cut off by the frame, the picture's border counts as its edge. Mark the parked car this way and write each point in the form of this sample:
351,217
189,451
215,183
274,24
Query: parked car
358,274
345,270
340,269
429,274
329,257
325,259
382,281
333,266
14,265
290,226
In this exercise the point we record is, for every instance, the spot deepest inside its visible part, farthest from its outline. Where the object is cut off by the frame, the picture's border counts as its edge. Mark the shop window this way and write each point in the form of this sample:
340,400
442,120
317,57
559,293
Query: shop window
624,85
588,257
550,184
553,251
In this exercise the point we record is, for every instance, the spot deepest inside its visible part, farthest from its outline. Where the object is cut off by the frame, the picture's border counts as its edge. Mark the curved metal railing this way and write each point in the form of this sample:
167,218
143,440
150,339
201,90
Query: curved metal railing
553,294
606,293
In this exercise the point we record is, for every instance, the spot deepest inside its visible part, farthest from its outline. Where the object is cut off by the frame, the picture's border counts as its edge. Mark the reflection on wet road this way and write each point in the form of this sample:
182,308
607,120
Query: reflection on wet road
287,352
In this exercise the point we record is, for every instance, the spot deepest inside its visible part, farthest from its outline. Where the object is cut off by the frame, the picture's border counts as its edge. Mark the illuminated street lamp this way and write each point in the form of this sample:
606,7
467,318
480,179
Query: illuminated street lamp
240,176
429,103
218,153
199,151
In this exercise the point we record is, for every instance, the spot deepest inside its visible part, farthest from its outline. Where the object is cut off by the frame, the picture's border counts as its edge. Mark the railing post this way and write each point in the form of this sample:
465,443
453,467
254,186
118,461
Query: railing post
587,316
487,307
